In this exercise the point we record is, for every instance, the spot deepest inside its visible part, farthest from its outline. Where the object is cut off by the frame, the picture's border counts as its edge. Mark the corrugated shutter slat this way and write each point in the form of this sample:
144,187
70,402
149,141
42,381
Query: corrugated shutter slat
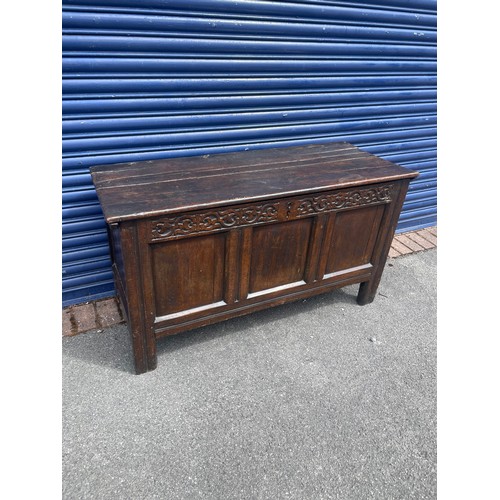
168,78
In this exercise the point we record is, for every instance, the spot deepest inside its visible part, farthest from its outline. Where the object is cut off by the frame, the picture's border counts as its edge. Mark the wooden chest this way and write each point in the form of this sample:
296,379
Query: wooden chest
199,240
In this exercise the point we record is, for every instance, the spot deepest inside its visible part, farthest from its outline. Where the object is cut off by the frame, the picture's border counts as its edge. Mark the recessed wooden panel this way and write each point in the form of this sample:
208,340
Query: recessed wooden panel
279,253
188,273
354,235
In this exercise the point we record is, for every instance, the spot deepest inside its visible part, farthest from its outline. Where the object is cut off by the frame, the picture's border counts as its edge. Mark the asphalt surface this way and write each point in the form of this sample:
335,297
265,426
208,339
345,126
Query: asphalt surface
313,400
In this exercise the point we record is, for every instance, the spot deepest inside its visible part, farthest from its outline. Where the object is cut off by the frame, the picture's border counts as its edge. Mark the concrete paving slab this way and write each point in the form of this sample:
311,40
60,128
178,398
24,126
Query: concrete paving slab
320,399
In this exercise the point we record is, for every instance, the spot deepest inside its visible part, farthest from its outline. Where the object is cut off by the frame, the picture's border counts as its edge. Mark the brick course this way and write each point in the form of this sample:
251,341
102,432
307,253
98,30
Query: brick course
409,243
400,247
108,313
425,244
425,233
82,318
393,253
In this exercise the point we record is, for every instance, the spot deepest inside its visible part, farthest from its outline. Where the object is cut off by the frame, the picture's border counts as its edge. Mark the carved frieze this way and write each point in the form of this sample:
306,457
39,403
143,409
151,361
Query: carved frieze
216,220
170,227
340,200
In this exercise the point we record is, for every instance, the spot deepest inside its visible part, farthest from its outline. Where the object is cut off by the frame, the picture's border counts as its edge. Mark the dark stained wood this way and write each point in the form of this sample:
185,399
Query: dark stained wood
203,239
232,266
138,190
315,245
116,250
211,163
279,254
353,238
368,289
245,257
188,273
257,304
143,341
326,244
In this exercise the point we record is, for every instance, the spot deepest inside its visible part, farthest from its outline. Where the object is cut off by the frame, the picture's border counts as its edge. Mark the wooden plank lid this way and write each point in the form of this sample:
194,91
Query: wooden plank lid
142,189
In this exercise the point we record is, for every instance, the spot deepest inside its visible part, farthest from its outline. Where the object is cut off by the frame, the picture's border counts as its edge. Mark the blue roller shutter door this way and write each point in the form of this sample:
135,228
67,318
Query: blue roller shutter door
157,79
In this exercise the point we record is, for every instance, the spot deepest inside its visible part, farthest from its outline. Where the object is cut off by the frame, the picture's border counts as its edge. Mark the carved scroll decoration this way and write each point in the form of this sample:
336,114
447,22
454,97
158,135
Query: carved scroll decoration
340,200
171,227
217,220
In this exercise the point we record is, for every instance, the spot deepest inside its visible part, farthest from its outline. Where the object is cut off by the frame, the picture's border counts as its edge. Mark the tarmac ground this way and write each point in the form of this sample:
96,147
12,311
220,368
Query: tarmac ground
318,399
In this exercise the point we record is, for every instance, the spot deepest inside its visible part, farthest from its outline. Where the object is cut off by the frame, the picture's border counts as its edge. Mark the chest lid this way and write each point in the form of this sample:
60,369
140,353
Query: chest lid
149,188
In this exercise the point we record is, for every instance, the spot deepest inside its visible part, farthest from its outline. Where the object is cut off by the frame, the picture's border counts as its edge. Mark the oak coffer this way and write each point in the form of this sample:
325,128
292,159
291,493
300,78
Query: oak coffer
197,240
